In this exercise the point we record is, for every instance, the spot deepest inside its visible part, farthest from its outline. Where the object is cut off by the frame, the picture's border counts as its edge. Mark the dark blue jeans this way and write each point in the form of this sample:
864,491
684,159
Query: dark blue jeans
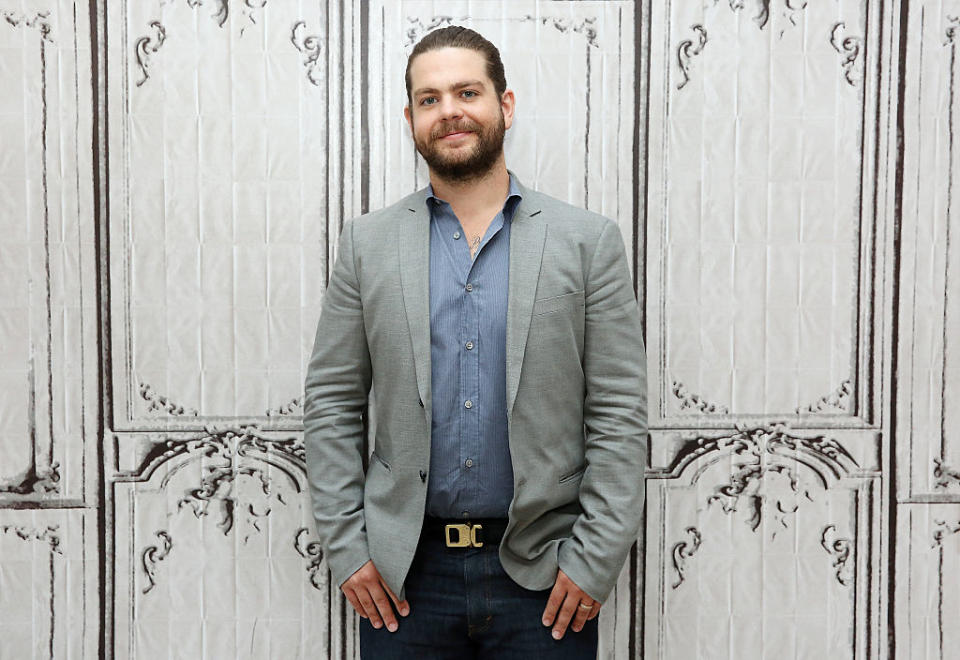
463,605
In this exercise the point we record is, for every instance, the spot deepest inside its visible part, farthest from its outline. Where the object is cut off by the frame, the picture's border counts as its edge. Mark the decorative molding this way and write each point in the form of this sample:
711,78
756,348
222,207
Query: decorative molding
217,485
791,10
246,441
250,8
831,460
160,403
50,534
222,13
945,475
695,401
234,452
745,484
951,32
851,47
839,549
586,27
294,407
145,47
312,551
944,530
418,28
768,450
37,20
34,481
682,551
152,555
223,10
760,19
837,400
312,46
687,50
227,454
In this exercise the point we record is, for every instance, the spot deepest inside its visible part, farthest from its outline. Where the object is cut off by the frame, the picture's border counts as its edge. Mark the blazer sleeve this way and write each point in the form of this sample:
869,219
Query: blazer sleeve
615,423
336,391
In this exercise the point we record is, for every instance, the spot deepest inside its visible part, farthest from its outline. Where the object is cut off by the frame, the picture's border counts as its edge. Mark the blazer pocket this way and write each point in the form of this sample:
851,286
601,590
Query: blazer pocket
570,476
374,455
557,303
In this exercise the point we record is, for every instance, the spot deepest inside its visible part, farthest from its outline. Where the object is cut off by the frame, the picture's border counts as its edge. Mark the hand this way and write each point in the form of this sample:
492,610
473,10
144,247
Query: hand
569,595
365,591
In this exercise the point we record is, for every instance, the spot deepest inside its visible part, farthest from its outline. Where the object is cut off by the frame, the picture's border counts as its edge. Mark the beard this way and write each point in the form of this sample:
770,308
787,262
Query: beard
463,165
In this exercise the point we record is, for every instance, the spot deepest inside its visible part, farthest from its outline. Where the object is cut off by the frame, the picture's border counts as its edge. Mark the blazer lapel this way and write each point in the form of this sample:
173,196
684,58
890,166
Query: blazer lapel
527,236
413,243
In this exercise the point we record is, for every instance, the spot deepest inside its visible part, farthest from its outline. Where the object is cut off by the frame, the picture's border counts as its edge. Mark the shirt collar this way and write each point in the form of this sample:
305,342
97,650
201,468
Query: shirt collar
513,193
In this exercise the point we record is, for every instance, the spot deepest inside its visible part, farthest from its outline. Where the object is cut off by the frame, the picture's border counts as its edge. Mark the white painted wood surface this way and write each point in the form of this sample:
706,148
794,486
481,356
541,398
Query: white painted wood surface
173,177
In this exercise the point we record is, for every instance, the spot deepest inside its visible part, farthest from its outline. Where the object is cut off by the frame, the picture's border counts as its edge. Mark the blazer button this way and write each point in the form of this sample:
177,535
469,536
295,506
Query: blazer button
420,401
423,476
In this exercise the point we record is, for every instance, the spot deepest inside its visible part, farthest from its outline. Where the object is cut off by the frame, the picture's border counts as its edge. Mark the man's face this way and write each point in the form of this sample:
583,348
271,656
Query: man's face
457,119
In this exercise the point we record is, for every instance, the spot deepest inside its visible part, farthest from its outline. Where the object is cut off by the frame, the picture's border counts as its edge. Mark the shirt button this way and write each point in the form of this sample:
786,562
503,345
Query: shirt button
469,345
469,287
456,235
468,404
469,462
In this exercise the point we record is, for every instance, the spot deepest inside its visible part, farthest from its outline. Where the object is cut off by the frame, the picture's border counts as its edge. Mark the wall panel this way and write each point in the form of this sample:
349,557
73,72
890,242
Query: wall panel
174,175
220,139
215,553
48,603
49,555
928,569
928,319
761,544
48,323
759,211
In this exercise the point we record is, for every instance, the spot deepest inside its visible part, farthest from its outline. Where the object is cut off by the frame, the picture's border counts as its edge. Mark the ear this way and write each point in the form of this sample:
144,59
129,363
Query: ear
408,116
507,105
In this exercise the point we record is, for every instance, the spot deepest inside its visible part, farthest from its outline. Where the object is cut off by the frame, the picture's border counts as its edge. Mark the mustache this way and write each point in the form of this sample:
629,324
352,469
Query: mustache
459,127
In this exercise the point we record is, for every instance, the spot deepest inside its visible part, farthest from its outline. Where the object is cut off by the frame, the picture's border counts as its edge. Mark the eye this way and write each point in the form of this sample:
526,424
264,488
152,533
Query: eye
428,100
469,93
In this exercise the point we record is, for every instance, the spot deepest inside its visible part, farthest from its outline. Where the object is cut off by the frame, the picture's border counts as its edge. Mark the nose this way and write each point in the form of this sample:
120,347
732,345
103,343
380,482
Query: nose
449,108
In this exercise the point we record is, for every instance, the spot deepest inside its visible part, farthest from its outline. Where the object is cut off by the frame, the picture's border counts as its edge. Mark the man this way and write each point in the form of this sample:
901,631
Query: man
501,337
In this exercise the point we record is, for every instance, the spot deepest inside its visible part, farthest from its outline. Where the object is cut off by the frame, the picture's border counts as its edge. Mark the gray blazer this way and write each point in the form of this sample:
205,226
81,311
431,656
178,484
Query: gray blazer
576,397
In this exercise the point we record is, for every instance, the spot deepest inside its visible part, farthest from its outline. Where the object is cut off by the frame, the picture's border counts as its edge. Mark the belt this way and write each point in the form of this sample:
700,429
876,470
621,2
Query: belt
459,533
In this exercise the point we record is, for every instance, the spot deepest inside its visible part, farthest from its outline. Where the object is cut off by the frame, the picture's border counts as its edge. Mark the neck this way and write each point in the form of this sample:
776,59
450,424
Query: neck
488,189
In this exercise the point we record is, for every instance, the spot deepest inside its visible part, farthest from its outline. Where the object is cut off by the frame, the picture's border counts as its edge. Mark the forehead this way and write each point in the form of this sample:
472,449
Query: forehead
444,67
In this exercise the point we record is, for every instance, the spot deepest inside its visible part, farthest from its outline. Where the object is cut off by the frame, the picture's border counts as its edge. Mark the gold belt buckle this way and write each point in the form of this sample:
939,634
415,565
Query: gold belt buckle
466,535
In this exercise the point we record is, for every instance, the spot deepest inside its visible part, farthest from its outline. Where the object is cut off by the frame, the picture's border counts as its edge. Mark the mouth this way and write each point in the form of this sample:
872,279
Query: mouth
455,135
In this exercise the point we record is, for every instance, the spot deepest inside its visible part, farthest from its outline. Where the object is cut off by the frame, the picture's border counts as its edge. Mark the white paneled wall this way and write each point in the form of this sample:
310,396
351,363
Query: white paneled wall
173,178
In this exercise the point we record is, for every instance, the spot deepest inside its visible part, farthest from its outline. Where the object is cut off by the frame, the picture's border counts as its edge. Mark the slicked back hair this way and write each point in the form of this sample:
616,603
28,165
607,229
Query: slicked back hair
456,36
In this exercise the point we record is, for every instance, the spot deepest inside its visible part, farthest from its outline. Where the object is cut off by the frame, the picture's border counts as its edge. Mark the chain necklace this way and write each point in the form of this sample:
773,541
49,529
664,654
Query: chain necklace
474,244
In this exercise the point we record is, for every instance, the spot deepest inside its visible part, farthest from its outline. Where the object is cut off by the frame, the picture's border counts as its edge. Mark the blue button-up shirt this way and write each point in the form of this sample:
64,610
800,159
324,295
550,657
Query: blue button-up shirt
470,471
